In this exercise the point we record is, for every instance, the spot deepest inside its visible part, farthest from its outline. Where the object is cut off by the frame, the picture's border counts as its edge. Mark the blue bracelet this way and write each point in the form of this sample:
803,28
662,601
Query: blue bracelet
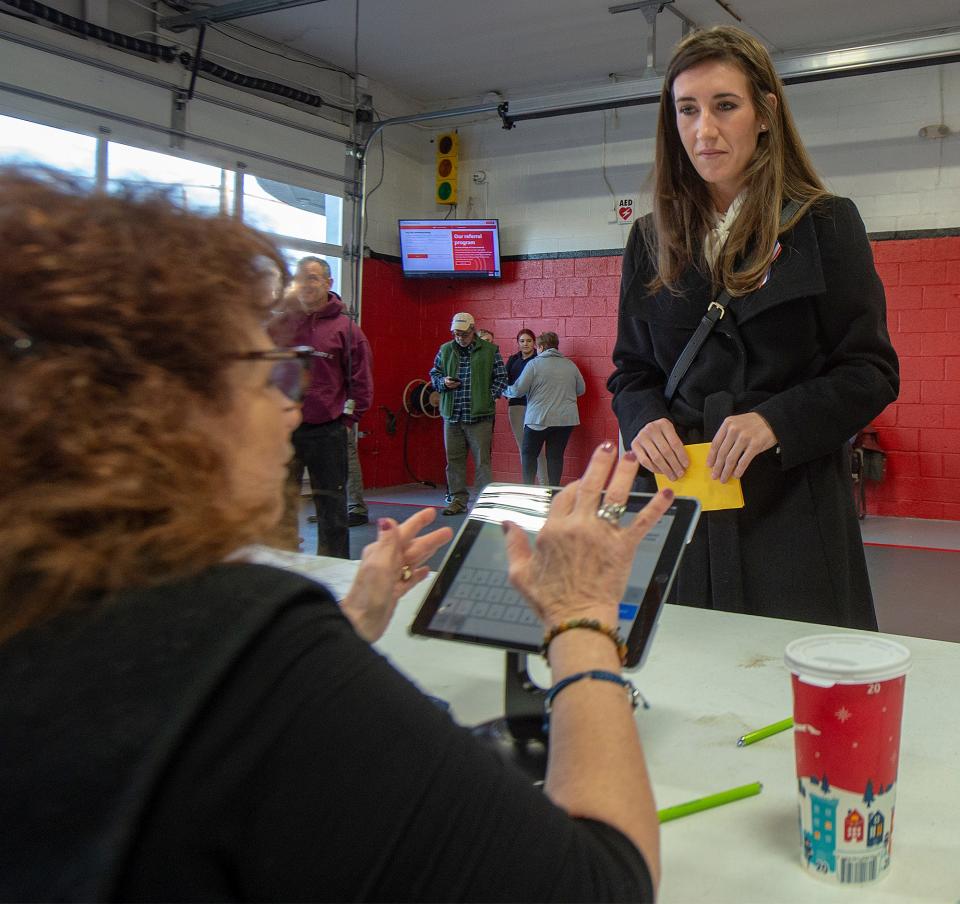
597,674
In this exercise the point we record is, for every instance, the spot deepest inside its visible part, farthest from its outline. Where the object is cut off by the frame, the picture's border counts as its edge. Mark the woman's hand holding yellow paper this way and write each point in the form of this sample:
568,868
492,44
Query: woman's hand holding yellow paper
698,481
740,439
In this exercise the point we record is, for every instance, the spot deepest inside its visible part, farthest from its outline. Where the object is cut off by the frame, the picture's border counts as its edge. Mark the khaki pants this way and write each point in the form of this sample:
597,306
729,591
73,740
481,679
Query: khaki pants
356,505
458,439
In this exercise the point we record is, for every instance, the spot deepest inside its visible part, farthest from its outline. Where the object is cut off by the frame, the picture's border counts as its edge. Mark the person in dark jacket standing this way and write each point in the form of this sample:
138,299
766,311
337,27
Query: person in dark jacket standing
339,392
799,362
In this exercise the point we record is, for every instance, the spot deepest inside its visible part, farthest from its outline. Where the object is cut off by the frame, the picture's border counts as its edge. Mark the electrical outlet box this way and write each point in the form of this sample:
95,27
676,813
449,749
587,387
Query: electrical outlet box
939,130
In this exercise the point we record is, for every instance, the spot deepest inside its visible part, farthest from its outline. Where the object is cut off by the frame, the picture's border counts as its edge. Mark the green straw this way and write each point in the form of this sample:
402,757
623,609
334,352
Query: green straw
712,800
751,737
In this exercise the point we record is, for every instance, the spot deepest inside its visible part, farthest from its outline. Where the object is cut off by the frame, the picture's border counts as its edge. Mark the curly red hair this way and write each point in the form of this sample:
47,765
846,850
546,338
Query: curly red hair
118,317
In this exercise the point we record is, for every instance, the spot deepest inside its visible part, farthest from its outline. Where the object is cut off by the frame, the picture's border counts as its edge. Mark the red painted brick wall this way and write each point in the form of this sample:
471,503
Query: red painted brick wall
403,343
921,430
406,320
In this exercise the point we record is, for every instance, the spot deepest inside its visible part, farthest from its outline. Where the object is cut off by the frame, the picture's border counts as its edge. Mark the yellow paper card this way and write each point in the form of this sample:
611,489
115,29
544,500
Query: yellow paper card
698,483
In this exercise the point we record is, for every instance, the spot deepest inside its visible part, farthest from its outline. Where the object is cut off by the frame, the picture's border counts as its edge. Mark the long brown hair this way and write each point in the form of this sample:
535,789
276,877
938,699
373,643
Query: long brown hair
118,317
780,169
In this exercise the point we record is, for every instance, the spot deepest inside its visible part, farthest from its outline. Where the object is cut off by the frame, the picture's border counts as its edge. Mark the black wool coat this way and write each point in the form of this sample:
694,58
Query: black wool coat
810,352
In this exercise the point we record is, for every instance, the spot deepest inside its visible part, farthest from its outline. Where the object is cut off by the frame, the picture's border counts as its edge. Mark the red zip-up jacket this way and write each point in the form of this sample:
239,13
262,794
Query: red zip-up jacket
332,381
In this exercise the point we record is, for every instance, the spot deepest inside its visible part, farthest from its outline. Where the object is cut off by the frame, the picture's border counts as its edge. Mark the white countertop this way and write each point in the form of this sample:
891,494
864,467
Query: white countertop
711,677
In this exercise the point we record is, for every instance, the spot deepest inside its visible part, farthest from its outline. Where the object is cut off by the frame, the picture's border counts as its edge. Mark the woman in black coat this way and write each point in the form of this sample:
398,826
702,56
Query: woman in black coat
798,363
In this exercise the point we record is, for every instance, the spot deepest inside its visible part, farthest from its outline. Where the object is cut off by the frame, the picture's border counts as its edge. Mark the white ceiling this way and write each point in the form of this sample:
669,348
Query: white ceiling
440,51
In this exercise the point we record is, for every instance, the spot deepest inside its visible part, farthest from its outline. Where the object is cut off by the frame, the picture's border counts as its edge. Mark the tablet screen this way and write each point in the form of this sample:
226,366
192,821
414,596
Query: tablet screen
472,599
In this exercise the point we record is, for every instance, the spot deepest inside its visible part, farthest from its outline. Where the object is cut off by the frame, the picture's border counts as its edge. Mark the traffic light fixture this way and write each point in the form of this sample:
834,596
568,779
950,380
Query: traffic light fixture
445,171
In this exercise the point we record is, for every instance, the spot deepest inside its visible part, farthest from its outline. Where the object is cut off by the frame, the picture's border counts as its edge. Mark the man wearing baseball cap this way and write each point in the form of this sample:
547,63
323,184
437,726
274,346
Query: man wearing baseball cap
468,373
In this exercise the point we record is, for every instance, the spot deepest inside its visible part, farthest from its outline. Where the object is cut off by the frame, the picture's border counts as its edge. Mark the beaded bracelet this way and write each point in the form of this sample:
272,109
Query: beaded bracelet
597,674
591,624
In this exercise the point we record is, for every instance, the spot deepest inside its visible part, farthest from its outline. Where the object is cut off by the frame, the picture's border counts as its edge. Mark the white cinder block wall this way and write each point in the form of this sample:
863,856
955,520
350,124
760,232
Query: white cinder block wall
407,187
544,179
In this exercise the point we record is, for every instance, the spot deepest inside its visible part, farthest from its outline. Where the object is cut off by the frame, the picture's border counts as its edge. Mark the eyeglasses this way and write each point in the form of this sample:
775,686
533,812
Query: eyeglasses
291,369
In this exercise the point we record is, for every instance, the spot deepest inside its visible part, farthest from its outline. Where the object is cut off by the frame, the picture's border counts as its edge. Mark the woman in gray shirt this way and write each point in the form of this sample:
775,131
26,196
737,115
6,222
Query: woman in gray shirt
551,384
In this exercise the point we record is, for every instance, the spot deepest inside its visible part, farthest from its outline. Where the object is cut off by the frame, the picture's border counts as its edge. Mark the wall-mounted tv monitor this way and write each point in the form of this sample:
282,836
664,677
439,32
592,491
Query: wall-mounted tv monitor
450,249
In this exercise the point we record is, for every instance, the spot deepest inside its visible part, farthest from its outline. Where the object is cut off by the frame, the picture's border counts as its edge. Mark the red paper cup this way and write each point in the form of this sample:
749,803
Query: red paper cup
847,706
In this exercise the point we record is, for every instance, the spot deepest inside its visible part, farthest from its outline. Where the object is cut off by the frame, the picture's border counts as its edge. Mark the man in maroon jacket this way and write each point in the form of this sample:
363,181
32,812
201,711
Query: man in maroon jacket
340,391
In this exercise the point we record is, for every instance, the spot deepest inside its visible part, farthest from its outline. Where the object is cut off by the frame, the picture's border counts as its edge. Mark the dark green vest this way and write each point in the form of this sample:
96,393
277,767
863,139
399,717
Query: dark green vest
481,376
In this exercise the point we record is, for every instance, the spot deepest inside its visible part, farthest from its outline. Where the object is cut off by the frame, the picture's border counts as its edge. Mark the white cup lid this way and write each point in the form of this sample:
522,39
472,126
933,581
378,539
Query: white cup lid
847,658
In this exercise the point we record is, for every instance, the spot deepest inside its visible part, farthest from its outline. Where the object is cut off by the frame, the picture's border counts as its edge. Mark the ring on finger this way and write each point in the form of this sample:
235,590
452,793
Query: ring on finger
406,572
611,512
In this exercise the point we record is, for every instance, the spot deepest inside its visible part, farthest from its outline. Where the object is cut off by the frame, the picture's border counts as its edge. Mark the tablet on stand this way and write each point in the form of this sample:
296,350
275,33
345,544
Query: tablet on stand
472,601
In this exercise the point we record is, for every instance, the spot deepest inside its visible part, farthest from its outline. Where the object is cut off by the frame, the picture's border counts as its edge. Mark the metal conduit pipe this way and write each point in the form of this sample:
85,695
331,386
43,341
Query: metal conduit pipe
843,62
360,198
933,49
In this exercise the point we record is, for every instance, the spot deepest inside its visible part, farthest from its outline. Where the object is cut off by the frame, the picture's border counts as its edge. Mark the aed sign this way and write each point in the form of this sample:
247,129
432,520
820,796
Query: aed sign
625,211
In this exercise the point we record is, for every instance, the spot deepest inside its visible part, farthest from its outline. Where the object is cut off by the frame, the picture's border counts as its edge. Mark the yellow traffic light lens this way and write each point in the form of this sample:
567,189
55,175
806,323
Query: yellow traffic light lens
445,169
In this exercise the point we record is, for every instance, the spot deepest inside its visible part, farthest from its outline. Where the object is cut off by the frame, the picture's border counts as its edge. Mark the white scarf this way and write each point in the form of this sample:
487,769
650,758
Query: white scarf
716,236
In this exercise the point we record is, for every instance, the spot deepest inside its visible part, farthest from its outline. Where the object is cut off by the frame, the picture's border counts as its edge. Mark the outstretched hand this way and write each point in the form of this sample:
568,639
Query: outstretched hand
580,563
389,567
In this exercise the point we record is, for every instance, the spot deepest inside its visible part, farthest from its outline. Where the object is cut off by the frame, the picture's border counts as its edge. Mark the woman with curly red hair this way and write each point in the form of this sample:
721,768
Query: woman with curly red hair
180,722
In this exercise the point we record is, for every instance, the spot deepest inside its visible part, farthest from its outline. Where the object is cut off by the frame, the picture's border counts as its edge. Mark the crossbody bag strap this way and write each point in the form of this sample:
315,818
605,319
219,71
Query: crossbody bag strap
715,311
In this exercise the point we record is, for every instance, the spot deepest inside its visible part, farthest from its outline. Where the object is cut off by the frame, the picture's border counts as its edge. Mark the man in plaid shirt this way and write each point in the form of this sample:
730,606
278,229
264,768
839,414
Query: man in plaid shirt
468,373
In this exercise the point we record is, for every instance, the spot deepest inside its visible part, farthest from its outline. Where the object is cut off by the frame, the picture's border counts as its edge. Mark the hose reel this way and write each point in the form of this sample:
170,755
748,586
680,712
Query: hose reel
420,399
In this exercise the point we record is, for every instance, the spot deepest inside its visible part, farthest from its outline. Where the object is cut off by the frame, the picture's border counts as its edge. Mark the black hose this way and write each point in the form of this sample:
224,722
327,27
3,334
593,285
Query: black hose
406,460
168,54
89,30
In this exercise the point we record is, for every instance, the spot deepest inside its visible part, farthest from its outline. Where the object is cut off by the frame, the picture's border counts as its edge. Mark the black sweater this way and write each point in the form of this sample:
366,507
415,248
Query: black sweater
231,737
515,365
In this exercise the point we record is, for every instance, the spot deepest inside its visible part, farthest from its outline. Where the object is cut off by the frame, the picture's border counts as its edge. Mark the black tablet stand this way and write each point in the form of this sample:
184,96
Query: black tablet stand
520,734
